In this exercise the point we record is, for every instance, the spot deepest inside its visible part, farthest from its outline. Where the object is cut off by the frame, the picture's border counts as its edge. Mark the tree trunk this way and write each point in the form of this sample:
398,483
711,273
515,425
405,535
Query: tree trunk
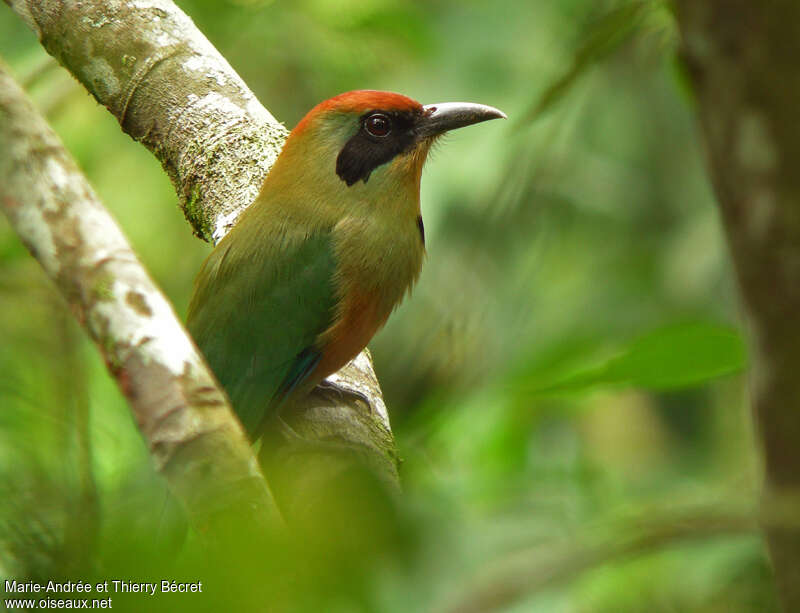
742,58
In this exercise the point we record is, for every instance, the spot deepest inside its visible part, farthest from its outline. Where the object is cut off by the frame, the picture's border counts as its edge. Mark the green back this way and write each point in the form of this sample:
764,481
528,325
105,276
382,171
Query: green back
257,311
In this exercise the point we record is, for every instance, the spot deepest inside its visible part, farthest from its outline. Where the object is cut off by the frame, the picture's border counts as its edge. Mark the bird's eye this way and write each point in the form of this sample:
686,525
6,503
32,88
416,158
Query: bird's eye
378,125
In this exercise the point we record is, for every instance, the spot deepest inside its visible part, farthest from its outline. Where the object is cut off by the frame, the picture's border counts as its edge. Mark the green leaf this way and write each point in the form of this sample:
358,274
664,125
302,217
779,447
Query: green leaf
673,357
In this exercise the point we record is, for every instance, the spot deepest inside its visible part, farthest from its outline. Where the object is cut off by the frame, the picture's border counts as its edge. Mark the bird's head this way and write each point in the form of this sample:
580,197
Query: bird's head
358,133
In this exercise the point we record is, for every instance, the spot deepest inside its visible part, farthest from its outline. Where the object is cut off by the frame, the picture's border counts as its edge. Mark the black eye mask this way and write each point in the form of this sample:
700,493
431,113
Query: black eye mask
376,143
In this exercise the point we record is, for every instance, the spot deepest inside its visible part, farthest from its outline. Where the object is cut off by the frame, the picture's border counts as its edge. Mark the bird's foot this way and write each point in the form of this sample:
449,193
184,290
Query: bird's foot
344,392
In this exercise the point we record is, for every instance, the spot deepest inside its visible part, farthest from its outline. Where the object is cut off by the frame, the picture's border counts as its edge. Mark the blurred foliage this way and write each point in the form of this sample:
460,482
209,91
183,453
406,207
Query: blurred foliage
571,357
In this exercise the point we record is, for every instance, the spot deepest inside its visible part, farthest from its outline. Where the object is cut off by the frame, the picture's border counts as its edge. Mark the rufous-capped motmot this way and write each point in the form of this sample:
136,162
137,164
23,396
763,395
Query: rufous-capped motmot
334,241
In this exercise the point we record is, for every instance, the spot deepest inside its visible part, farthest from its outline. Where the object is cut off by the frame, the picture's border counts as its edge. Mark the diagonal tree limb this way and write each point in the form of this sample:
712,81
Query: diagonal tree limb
169,88
741,58
194,439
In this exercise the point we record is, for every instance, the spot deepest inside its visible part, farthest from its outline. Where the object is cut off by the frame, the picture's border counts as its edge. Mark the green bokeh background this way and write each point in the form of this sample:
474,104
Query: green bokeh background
566,381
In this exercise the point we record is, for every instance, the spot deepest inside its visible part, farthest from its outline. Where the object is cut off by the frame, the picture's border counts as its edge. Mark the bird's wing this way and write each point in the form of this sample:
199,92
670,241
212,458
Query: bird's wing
256,315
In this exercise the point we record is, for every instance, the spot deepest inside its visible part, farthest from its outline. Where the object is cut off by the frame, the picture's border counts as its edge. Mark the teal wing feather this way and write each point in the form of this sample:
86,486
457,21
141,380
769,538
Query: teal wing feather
256,314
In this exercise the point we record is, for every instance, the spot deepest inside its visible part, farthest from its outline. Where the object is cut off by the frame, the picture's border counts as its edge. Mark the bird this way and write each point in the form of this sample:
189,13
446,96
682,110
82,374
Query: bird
332,244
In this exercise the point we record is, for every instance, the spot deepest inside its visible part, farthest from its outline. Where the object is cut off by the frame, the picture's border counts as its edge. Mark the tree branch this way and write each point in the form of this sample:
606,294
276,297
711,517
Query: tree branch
193,437
171,90
742,61
521,574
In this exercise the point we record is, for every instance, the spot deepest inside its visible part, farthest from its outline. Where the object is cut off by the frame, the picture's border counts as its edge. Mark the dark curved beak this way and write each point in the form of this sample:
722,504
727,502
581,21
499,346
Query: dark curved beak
440,118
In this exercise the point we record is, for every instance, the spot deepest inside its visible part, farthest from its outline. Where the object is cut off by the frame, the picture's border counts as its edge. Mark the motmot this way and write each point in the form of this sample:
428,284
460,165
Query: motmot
332,244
